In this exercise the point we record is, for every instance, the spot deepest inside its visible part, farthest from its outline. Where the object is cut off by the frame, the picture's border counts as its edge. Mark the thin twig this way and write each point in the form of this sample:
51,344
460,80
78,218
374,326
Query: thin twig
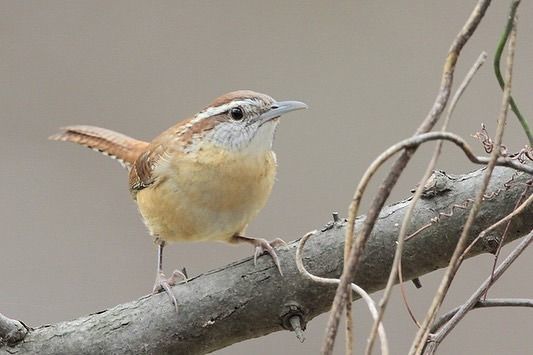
385,189
497,71
364,295
408,214
504,234
492,302
446,329
404,296
507,219
455,261
417,140
348,331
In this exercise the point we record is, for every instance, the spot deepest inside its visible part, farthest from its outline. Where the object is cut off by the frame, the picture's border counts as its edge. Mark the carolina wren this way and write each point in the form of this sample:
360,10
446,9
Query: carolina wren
203,179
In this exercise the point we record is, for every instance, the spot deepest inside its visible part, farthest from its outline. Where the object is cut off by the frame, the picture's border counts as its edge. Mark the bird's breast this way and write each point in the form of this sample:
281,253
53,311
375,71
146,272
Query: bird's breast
209,195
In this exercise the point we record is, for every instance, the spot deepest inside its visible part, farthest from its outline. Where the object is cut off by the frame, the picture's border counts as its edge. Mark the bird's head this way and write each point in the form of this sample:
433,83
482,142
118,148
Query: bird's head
242,120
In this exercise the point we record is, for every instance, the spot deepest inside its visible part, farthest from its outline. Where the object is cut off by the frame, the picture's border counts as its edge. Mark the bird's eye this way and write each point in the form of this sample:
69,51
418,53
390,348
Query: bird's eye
236,113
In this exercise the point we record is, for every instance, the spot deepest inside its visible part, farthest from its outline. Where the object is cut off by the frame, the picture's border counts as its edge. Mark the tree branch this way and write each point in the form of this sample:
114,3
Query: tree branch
11,331
240,301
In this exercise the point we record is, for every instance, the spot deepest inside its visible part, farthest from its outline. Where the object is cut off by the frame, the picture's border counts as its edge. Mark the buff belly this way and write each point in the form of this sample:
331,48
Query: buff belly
199,198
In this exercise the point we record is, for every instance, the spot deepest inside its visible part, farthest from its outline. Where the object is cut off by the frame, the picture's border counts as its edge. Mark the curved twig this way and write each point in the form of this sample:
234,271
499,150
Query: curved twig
507,219
364,295
498,73
404,296
400,164
455,262
492,302
504,234
435,340
396,269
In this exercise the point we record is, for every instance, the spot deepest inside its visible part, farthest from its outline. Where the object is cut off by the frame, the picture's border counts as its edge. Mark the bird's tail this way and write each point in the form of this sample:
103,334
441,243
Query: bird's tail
113,144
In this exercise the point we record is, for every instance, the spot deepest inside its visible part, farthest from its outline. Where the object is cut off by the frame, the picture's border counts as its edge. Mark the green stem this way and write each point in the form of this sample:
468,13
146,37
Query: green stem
497,71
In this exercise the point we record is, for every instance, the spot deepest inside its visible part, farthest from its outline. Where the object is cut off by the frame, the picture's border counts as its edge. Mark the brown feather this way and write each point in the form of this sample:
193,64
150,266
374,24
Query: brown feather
172,142
239,94
141,173
113,144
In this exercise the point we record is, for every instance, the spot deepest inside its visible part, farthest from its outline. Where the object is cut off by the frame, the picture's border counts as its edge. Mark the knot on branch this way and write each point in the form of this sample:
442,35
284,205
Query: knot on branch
294,317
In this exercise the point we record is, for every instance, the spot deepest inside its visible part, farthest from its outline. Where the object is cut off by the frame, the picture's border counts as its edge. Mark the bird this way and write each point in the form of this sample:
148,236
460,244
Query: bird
203,179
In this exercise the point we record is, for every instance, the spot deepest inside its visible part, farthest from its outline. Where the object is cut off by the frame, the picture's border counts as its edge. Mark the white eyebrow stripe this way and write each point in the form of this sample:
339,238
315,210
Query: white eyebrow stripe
213,111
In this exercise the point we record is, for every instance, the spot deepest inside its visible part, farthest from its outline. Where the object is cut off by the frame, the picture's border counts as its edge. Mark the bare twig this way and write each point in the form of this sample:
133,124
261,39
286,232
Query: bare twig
417,140
395,269
497,71
455,261
507,219
364,295
348,331
389,182
469,304
488,303
404,296
504,234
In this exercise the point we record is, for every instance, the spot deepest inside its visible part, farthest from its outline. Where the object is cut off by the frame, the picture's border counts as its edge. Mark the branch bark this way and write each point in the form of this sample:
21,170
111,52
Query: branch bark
11,331
240,301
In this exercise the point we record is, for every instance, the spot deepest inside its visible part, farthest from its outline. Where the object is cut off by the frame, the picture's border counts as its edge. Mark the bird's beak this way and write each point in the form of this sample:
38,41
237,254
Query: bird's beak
281,107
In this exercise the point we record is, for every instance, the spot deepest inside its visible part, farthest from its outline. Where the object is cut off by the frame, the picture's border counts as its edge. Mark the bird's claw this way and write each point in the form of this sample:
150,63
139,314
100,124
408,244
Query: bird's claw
162,283
263,246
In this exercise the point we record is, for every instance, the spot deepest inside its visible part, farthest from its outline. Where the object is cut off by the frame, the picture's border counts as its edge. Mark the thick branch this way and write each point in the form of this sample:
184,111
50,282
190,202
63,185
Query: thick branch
11,331
240,301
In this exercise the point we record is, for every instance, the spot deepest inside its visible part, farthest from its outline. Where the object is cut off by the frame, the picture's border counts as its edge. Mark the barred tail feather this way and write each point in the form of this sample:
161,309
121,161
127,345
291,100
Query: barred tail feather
113,144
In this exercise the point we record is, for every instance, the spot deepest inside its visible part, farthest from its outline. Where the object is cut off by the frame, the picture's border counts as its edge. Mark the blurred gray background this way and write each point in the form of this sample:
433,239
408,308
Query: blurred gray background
72,241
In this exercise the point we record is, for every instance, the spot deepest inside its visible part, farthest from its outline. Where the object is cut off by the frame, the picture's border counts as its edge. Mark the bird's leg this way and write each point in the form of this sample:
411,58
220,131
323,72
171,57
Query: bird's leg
262,246
161,281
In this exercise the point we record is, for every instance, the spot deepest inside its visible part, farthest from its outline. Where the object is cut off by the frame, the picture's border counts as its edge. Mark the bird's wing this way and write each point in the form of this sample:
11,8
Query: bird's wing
148,168
143,172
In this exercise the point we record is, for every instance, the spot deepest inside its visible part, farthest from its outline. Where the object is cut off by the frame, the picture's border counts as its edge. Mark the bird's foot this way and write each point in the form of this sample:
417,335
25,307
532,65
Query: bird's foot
263,246
162,283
